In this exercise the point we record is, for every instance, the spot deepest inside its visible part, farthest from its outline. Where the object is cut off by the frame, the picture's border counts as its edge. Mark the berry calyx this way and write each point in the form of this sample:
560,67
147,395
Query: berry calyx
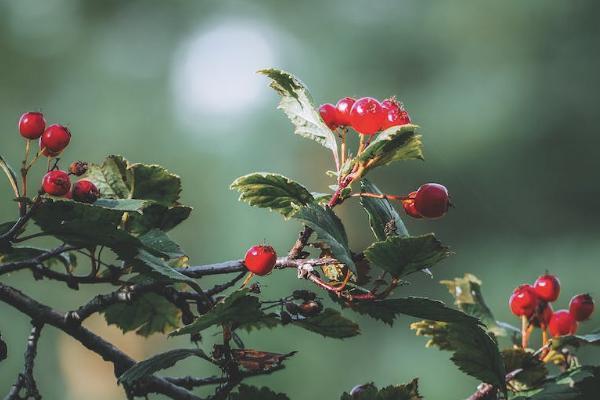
542,315
260,260
432,200
367,116
343,108
55,138
547,287
523,301
48,153
56,183
78,168
396,115
562,323
32,125
409,206
581,307
85,191
329,115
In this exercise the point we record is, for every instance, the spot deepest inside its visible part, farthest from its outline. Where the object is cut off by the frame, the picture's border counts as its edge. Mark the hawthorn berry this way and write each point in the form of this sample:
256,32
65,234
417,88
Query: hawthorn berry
343,108
260,260
78,168
547,287
85,191
396,115
329,115
581,307
562,323
56,183
32,125
55,138
542,315
432,200
367,116
409,206
523,301
48,153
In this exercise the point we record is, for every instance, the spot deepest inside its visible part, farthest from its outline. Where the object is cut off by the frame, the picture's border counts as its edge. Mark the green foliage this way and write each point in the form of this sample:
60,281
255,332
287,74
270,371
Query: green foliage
582,383
158,269
246,392
576,340
153,182
383,217
112,177
330,323
533,369
158,242
10,174
272,191
369,391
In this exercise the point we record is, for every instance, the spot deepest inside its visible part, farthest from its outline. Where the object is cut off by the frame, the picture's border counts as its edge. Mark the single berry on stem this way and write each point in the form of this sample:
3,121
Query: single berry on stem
523,301
396,115
260,260
55,138
432,200
56,183
562,323
409,206
581,307
547,287
329,115
85,191
367,116
343,108
32,125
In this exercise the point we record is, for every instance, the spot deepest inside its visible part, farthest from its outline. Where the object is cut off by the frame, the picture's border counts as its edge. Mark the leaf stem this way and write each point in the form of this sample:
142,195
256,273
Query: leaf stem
381,196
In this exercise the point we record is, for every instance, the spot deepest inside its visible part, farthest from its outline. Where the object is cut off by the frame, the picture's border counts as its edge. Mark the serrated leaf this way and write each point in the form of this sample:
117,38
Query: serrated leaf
581,383
409,391
272,191
329,229
246,392
146,314
112,177
157,216
533,369
383,217
576,340
297,104
402,256
156,363
22,253
153,182
329,323
147,263
129,205
158,242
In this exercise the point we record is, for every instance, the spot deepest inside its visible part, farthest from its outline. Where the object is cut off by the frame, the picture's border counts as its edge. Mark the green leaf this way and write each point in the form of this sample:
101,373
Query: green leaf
156,363
10,174
272,191
22,253
409,391
581,383
297,104
329,229
157,216
237,309
329,323
146,314
6,226
158,268
129,205
153,182
246,392
383,217
402,256
158,242
576,340
393,144
112,177
534,370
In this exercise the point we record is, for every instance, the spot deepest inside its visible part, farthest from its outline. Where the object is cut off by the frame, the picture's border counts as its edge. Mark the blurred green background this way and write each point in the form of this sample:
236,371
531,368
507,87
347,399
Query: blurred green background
506,94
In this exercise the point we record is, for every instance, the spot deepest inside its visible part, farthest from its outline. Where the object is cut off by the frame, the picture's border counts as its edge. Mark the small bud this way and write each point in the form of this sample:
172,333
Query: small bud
78,168
254,288
286,318
310,308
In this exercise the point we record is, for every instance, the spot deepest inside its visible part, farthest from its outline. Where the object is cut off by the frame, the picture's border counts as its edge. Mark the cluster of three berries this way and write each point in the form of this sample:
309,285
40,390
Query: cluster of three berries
533,302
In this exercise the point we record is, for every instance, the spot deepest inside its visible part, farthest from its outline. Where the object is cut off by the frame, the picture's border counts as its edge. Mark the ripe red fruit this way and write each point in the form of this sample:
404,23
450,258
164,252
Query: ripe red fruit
523,301
329,115
547,287
432,200
562,323
343,108
581,307
367,116
32,125
542,315
260,259
409,206
85,191
396,115
55,138
56,183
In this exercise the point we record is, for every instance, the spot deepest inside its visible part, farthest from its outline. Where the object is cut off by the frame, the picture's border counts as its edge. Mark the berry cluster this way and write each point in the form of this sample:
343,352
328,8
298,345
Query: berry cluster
366,115
533,305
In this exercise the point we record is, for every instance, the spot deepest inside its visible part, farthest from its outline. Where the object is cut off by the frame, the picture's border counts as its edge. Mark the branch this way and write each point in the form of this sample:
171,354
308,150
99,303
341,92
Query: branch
190,382
25,380
36,261
14,230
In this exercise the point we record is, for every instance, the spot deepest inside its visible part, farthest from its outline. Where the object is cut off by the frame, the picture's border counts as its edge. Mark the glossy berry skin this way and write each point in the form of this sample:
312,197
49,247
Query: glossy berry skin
343,108
396,115
409,206
542,315
432,200
562,323
85,191
56,183
55,138
523,301
32,125
329,115
260,260
367,116
581,307
547,287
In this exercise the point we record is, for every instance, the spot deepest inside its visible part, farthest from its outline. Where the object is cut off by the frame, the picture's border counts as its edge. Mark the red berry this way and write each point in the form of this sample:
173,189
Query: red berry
542,315
48,153
85,191
581,307
396,115
409,206
562,323
32,125
260,259
432,200
329,115
367,116
547,287
56,183
523,301
55,138
343,108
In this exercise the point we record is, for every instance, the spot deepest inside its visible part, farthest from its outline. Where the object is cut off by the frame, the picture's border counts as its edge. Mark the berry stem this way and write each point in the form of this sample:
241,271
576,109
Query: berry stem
524,323
247,280
381,196
361,144
544,335
344,131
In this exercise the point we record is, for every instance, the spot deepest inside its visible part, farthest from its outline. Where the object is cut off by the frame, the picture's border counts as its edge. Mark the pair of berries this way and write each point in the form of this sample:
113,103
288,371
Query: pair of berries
366,115
533,303
58,183
53,139
260,259
431,200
